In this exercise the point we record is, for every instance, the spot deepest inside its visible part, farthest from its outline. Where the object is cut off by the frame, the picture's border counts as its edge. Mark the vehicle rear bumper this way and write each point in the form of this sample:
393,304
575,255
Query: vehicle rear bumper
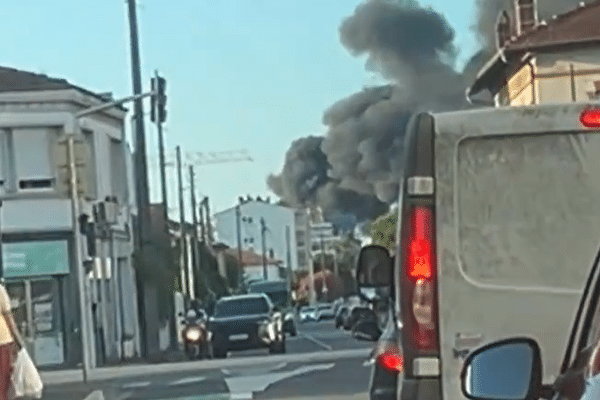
421,389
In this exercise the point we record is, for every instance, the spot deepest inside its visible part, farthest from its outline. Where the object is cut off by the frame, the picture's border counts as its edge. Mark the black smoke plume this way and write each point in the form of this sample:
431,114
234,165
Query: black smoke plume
355,168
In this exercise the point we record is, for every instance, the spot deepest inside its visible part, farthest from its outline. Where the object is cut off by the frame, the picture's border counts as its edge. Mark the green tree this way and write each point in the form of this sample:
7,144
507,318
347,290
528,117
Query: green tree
383,229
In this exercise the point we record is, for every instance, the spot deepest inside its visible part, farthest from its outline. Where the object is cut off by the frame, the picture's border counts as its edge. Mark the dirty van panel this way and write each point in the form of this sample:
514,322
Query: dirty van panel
528,209
517,225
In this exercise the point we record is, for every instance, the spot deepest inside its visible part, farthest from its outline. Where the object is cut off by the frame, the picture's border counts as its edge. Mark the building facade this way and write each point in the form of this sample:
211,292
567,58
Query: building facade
38,230
254,216
553,60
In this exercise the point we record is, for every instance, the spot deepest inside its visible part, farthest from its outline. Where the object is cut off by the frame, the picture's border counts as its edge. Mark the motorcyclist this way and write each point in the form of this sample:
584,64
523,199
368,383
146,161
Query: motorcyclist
194,316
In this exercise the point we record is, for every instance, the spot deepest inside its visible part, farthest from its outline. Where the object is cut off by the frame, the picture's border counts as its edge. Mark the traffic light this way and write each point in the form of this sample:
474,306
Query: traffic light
159,100
88,229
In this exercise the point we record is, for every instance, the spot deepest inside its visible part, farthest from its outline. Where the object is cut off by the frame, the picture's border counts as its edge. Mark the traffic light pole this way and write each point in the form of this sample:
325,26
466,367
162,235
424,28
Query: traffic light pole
85,315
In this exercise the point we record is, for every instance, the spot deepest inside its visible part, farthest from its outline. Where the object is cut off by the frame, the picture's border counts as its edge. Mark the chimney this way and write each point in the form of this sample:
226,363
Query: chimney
526,17
503,30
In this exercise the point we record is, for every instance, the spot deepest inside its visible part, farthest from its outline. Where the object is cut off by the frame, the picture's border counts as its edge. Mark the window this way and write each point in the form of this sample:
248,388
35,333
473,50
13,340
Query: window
30,150
91,164
117,165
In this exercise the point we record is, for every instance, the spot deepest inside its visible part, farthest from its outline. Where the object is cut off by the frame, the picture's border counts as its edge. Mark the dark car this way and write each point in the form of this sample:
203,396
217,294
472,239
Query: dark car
246,322
355,314
341,313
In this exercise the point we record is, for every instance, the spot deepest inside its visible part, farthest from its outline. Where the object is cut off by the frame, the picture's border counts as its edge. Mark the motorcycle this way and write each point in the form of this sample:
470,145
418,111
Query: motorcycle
196,339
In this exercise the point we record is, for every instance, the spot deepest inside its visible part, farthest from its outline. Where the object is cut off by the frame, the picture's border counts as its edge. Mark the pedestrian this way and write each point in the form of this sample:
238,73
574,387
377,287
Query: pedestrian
10,343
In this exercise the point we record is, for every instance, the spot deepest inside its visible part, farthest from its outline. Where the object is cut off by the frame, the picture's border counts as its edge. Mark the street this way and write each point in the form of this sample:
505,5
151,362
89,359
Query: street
320,361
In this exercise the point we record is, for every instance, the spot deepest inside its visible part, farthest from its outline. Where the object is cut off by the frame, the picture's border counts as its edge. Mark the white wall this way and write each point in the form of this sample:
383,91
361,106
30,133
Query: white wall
257,271
276,219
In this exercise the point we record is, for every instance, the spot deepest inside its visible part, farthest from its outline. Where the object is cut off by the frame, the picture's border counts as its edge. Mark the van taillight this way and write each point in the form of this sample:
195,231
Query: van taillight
388,356
392,363
590,118
420,267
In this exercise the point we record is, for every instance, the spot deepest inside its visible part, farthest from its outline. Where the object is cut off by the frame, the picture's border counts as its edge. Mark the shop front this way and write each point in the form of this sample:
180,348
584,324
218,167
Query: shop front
36,276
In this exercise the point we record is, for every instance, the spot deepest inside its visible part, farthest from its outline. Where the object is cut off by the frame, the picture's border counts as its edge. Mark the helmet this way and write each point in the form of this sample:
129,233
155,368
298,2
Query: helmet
191,314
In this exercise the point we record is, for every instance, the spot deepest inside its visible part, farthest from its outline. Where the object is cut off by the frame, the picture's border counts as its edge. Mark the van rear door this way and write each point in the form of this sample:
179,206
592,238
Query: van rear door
518,225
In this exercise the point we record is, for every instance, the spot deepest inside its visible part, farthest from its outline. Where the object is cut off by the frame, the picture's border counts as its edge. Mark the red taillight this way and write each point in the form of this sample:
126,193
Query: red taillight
420,244
391,362
590,118
420,267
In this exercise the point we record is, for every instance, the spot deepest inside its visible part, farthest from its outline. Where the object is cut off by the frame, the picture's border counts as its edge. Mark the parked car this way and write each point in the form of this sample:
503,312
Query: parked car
340,315
245,322
324,312
308,314
483,250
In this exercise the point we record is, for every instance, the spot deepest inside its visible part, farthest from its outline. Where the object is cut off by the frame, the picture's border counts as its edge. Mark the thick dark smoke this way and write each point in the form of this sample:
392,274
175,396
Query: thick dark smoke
355,168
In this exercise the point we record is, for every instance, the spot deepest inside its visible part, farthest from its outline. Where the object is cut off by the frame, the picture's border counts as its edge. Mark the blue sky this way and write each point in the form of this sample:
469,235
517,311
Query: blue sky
241,74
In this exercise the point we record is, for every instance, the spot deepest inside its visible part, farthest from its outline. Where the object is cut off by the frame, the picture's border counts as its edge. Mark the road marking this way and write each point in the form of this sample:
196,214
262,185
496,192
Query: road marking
315,341
368,363
241,396
134,385
256,370
188,380
259,383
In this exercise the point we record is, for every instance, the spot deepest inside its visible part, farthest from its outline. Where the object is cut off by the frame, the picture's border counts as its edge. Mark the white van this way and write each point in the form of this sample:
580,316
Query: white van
499,224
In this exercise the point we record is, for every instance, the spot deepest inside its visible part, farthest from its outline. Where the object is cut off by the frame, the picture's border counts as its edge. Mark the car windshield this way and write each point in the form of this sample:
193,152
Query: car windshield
321,308
308,309
247,306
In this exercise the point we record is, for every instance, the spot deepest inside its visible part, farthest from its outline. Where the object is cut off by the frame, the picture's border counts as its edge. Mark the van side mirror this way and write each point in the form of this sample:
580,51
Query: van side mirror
506,369
374,273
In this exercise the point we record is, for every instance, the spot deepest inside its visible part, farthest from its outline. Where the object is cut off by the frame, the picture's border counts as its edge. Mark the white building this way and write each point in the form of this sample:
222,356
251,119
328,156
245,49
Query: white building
279,226
36,112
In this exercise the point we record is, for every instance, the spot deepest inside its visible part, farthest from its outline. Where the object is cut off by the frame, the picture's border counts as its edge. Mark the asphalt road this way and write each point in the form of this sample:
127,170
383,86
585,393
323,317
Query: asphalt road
277,379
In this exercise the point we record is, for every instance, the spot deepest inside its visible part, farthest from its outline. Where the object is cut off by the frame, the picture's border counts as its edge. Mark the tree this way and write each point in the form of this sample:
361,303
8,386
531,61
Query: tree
383,229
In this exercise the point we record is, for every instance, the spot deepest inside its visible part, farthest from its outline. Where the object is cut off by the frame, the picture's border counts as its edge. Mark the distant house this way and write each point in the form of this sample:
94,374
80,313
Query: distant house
556,60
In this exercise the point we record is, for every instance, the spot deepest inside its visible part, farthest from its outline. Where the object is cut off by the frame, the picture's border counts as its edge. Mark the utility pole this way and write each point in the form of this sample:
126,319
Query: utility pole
263,229
311,272
288,258
238,215
184,281
322,251
85,315
141,173
195,248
